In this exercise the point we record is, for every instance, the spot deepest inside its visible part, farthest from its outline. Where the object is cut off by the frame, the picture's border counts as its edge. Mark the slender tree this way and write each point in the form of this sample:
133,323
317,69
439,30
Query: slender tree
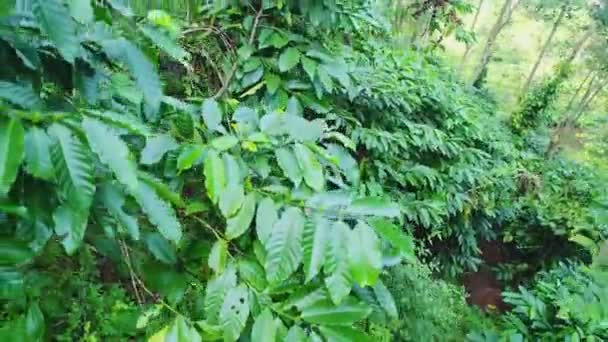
469,45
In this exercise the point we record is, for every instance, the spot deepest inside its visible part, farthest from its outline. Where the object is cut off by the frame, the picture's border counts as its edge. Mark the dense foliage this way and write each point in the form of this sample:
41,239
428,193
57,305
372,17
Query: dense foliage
275,170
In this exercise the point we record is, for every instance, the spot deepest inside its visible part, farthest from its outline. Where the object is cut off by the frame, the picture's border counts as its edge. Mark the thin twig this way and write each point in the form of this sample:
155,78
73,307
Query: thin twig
127,257
235,66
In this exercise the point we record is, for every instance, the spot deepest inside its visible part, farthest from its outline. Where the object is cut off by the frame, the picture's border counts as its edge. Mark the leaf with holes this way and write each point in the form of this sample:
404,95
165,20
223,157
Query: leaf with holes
234,312
216,291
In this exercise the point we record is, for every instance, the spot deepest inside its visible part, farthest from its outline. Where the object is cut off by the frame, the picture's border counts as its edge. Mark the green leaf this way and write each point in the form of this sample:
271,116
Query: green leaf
55,20
215,292
218,256
239,224
289,164
311,168
160,248
180,331
14,252
162,189
234,312
289,59
253,77
225,142
112,151
212,114
364,255
301,129
231,199
156,147
164,42
252,273
73,168
325,79
272,82
386,300
121,120
82,11
314,244
215,177
148,81
189,156
284,248
325,312
20,94
339,281
113,200
344,334
233,170
34,323
38,154
265,219
374,206
70,224
12,136
310,67
264,328
159,212
296,334
395,236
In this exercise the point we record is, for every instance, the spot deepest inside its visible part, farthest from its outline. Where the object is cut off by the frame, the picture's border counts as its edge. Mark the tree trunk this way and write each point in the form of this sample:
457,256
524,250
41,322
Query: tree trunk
579,46
543,51
584,105
578,90
503,16
469,46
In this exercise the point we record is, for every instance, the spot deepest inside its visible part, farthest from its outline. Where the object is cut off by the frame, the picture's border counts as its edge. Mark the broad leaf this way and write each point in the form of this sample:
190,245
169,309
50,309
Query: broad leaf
113,200
156,147
218,256
252,273
55,20
12,143
212,114
310,166
364,255
159,212
215,292
289,59
239,224
284,248
34,323
234,312
296,334
265,219
38,154
224,142
264,328
374,206
70,225
327,313
386,300
314,244
344,334
339,279
215,177
231,199
73,168
20,94
395,236
112,151
289,164
189,156
160,248
82,11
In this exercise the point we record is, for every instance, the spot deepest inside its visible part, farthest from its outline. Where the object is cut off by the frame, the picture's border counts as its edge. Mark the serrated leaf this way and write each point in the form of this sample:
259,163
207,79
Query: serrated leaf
12,146
231,199
339,279
218,256
113,200
284,248
234,312
189,156
212,114
159,212
38,154
141,68
265,219
310,166
327,313
160,248
70,225
55,20
364,255
386,300
73,168
156,147
215,292
81,11
239,224
252,273
124,120
264,328
20,94
344,334
215,177
289,164
374,206
395,236
112,151
289,59
314,245
163,41
225,142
